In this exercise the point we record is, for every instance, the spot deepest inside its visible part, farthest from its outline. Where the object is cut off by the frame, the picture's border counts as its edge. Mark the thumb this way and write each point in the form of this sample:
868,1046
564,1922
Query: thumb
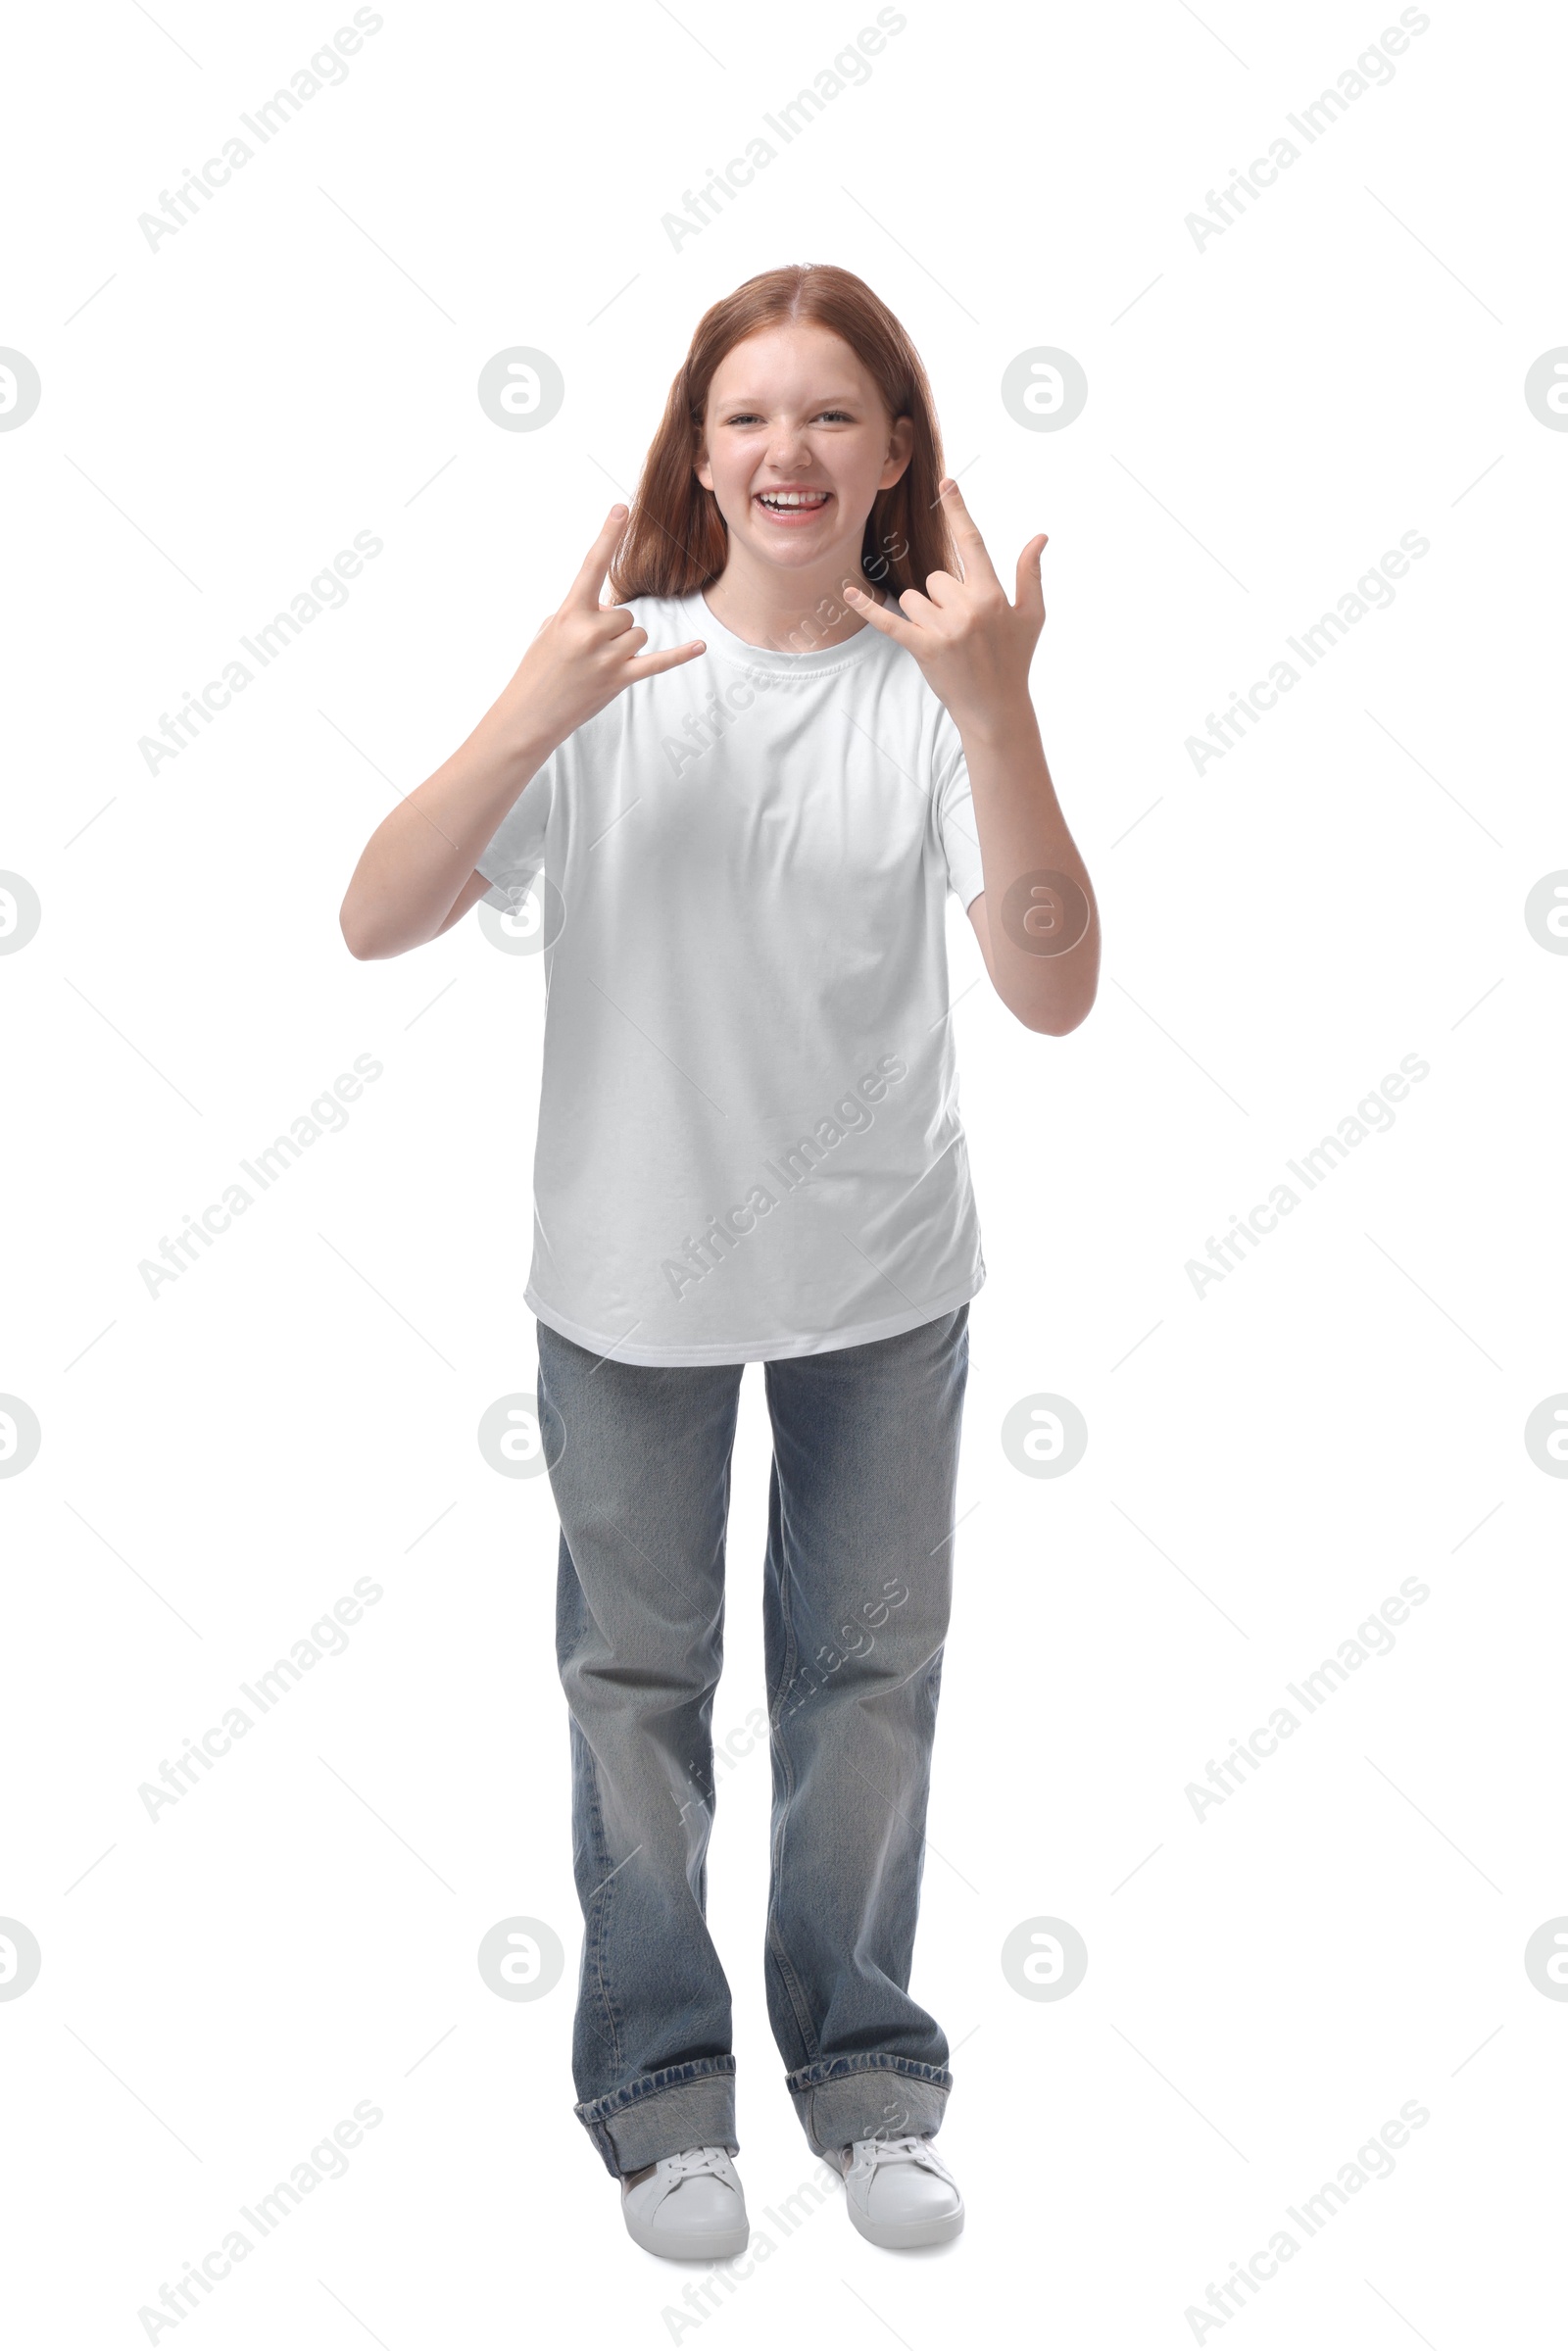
1031,591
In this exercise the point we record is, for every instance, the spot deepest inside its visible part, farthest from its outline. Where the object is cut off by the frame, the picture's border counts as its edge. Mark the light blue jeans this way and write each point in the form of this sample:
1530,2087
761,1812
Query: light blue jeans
856,1597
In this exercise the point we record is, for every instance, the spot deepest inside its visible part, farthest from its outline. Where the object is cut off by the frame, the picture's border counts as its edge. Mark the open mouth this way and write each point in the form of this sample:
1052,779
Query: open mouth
793,506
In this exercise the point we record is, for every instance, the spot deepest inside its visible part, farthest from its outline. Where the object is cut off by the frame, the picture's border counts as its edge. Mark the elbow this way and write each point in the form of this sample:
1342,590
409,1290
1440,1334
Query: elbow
1055,1020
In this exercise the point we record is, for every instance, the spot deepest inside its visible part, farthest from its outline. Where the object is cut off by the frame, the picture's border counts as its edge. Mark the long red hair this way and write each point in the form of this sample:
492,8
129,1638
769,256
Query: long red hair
676,540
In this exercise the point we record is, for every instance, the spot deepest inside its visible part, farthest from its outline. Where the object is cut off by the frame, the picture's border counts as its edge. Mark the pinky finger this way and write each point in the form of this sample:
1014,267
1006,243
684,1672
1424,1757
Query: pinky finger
649,664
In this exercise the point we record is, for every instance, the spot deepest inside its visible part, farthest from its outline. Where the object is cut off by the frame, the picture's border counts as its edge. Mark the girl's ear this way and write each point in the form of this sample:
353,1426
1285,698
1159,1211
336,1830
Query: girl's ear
901,448
701,467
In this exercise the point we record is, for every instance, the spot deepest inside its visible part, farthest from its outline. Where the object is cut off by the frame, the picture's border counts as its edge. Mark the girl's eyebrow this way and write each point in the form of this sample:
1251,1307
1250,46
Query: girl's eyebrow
828,399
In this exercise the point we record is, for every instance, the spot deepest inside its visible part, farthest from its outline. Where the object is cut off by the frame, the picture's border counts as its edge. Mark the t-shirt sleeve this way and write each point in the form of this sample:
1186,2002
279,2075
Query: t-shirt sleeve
954,812
515,853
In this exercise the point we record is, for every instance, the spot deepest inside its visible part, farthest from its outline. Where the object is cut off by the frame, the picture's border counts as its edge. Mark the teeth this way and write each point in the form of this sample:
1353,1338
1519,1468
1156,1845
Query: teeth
793,496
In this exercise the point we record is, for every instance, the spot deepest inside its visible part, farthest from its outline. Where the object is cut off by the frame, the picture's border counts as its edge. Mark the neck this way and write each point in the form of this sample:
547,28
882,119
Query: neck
789,611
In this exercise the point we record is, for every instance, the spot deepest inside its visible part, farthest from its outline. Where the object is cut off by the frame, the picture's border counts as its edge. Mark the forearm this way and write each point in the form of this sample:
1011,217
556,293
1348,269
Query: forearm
1046,985
417,863
420,858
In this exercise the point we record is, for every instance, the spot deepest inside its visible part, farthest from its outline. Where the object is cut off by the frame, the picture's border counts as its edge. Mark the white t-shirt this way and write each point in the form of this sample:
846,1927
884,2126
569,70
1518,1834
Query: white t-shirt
748,1143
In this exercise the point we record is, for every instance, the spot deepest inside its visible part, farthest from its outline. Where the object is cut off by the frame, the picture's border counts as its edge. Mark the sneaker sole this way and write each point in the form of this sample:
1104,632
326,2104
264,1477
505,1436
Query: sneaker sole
903,2237
712,2244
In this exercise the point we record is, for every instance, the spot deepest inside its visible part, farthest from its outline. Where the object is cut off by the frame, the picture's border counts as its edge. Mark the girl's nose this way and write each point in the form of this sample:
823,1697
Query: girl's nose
787,443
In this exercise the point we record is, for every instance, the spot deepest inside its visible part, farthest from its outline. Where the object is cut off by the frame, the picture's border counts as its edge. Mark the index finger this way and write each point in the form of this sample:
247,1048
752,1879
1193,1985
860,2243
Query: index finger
590,579
963,524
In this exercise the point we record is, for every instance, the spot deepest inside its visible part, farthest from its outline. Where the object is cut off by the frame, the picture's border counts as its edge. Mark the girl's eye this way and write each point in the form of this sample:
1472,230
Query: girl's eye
835,415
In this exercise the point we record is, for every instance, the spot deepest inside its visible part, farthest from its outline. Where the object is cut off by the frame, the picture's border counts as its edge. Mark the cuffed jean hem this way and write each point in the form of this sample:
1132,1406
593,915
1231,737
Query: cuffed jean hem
842,2099
681,2106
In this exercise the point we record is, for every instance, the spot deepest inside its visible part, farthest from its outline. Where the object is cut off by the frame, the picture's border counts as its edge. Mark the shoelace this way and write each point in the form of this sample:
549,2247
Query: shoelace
693,2162
869,2153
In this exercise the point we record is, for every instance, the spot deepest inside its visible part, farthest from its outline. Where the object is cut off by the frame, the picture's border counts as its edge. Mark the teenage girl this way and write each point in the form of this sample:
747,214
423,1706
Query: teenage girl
738,795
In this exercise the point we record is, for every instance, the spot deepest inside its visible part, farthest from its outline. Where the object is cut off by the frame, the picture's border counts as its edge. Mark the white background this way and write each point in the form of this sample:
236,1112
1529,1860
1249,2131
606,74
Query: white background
1266,415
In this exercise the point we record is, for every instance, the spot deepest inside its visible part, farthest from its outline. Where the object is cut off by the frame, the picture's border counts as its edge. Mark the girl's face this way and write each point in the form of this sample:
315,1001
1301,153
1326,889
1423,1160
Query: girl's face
796,445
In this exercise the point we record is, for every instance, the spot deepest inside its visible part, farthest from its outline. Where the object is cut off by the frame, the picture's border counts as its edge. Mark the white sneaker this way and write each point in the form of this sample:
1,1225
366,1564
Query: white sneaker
900,2193
689,2207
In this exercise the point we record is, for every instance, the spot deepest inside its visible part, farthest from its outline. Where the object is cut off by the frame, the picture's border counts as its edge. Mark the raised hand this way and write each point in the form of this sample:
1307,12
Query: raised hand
972,645
587,652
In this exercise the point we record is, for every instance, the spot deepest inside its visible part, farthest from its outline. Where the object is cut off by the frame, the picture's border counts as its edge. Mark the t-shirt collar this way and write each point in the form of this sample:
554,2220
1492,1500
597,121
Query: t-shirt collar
701,622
